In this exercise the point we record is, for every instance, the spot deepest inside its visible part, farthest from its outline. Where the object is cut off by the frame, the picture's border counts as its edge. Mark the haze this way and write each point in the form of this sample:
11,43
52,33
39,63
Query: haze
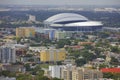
60,2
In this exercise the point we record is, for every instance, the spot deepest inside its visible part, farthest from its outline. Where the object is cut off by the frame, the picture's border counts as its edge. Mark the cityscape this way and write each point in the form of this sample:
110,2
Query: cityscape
49,41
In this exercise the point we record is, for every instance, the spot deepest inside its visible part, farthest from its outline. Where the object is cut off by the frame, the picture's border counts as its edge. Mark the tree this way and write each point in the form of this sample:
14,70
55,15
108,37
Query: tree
56,79
42,78
24,77
80,62
107,75
115,49
114,61
62,42
5,73
27,66
18,39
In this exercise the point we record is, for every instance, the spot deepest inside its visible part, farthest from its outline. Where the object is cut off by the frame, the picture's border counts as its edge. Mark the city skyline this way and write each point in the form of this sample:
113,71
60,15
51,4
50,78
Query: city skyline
61,2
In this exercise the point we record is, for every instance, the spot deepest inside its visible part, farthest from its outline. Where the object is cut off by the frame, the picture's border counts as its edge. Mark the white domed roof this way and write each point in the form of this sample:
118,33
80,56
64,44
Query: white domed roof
87,23
66,17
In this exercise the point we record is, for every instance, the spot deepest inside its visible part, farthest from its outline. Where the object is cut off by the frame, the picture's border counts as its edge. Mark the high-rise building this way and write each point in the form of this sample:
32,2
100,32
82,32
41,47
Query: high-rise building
52,55
7,54
25,32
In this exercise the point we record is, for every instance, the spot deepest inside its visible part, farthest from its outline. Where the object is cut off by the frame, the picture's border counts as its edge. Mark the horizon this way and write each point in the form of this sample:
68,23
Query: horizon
61,2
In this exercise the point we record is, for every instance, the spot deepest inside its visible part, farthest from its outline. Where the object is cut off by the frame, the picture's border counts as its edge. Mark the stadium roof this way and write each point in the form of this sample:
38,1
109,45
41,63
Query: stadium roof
87,23
62,17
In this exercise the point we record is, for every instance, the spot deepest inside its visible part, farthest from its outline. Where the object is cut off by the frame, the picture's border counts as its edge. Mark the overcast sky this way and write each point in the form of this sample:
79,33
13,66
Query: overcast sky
61,2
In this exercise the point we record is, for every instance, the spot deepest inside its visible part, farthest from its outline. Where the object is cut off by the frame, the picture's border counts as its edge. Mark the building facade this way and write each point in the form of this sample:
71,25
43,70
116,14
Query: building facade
55,71
25,32
86,74
7,54
69,72
52,55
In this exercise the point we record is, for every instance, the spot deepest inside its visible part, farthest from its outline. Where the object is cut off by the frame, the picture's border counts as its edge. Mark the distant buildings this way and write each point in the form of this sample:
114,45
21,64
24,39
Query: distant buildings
7,54
52,55
69,72
53,34
110,29
25,32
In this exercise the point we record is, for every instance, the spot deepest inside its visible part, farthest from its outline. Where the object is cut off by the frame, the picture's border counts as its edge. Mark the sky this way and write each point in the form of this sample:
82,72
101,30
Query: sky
60,2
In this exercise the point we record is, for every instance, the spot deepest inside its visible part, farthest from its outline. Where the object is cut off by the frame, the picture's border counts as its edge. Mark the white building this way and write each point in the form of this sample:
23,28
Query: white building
55,71
32,18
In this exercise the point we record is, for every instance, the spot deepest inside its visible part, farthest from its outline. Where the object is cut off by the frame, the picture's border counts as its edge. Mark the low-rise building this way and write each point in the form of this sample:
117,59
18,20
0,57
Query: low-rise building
13,68
7,78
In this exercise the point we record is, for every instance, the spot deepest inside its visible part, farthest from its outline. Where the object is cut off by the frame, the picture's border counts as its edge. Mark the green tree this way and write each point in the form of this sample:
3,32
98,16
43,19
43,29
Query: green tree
24,77
56,79
80,62
62,42
27,66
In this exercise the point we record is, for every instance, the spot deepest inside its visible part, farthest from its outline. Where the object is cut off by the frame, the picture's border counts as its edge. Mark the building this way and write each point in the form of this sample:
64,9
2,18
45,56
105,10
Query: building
70,72
14,68
110,29
110,70
25,32
52,55
31,18
59,71
52,34
72,22
7,78
7,54
60,35
86,74
55,71
85,43
66,72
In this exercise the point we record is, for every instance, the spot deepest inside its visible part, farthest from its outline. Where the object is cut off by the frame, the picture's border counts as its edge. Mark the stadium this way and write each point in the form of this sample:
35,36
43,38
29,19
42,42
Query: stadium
72,22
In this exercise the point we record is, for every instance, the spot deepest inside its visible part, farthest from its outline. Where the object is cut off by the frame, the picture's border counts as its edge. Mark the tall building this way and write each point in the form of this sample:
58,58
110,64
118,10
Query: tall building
25,32
52,55
7,54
